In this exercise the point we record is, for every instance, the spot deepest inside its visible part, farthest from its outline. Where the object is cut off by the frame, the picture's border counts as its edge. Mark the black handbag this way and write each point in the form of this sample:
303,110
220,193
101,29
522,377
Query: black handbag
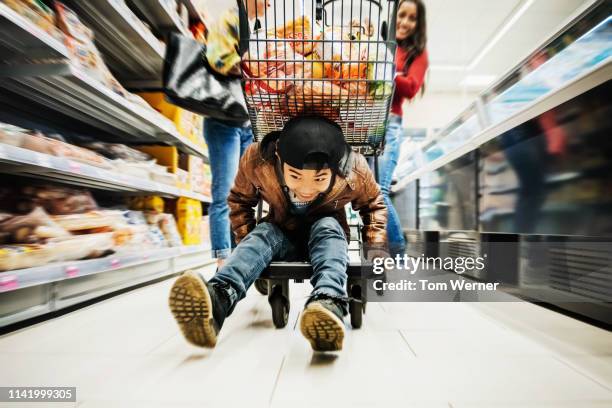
191,83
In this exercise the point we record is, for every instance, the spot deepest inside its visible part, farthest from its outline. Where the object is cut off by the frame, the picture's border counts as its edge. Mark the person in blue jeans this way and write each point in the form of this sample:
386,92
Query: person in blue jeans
307,174
411,64
226,144
387,163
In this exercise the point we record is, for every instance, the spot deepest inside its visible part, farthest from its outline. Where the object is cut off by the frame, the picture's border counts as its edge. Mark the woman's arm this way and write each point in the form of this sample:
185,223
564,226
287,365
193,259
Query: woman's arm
407,84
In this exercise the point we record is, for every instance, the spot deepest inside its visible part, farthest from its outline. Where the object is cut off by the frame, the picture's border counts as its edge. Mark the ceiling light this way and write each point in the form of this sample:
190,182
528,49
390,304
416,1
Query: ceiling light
500,33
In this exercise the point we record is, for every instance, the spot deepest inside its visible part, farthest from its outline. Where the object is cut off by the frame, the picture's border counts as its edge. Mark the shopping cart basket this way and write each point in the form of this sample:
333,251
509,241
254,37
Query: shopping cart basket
333,58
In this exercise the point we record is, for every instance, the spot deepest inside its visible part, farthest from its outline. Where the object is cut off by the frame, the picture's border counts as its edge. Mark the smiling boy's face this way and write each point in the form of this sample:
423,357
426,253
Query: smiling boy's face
305,183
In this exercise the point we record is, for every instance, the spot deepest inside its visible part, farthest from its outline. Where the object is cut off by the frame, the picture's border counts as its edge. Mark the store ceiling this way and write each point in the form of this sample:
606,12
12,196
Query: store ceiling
461,33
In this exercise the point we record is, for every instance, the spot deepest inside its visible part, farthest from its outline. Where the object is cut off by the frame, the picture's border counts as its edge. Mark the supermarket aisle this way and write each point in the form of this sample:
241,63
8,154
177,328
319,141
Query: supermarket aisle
126,351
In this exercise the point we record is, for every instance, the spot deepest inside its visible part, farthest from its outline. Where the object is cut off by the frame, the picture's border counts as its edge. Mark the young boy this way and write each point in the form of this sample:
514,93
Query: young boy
307,174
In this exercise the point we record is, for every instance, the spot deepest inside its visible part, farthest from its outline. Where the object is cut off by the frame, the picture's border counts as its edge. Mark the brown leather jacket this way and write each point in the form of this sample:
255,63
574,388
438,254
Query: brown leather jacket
257,175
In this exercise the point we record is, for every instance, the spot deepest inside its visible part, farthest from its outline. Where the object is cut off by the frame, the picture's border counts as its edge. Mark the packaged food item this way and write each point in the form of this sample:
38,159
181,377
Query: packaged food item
118,151
42,144
189,220
195,170
157,237
317,97
11,135
132,238
56,200
79,42
160,174
91,222
147,203
83,246
206,233
206,180
35,227
168,226
168,156
300,29
38,13
141,170
24,256
183,120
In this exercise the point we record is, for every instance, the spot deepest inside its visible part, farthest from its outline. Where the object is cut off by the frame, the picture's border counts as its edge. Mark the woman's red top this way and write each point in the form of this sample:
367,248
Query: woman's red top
407,84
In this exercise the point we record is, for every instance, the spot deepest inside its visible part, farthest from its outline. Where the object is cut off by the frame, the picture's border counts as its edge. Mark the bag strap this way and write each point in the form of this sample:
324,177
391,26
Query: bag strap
244,29
259,205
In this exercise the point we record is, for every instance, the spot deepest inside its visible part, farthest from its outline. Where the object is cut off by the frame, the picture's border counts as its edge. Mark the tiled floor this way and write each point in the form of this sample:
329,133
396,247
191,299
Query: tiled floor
127,351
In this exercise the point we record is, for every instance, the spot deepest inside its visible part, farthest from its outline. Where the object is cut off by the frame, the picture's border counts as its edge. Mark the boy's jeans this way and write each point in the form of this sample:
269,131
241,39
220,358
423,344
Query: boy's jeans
327,247
387,164
226,144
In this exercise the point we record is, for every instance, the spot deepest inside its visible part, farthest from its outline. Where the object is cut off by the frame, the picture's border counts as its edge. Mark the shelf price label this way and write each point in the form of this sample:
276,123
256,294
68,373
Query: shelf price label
72,271
74,166
9,282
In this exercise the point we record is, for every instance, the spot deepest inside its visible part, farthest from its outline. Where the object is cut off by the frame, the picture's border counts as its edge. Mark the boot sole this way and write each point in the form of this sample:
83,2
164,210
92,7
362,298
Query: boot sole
191,306
323,329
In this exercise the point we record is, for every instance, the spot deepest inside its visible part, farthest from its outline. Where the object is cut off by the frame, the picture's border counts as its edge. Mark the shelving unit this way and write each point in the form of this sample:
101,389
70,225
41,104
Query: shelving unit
82,101
20,39
15,160
26,293
130,49
40,88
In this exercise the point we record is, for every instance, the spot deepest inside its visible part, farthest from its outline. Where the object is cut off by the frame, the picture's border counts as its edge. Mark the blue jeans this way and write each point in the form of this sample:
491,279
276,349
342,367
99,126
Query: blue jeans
327,249
386,166
226,144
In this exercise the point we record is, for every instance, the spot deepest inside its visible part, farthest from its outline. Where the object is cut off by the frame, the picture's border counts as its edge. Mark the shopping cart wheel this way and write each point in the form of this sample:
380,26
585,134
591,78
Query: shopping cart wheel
262,286
280,307
356,307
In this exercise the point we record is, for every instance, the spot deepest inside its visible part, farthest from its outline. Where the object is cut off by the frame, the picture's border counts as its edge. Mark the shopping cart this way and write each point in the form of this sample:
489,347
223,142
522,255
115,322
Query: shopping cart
333,58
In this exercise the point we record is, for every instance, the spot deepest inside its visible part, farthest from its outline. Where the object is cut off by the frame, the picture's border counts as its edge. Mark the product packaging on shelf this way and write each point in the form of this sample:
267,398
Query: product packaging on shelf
187,123
32,228
56,200
167,225
147,203
80,44
24,256
206,180
206,233
38,142
196,172
169,156
189,220
38,13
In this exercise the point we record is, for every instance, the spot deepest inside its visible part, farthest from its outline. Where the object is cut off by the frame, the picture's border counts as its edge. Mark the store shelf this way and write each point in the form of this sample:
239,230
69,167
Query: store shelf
129,48
32,292
66,89
20,39
15,160
23,278
596,76
159,15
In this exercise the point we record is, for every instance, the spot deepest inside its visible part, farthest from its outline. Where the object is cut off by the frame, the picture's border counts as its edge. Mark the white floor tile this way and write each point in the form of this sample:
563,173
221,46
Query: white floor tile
127,352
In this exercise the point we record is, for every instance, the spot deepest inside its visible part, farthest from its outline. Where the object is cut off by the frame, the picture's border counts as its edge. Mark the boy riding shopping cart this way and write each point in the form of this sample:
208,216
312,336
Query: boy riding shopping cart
313,90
